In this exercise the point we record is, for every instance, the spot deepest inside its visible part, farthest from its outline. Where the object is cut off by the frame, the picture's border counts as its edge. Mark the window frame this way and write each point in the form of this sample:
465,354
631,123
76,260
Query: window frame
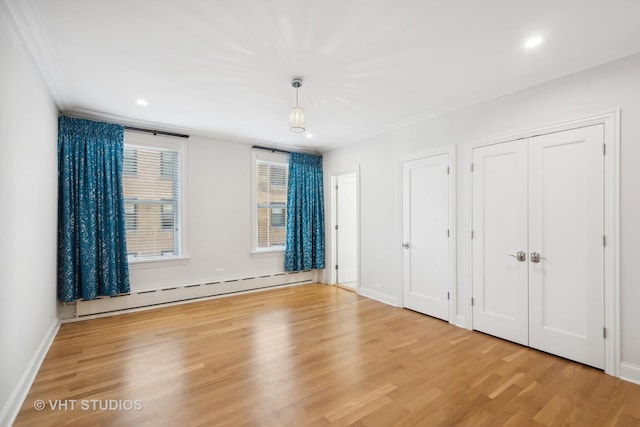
258,155
158,142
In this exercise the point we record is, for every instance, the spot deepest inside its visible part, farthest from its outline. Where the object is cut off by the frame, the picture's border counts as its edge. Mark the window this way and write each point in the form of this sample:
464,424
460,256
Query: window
130,216
278,179
152,201
130,161
271,174
166,215
277,217
167,162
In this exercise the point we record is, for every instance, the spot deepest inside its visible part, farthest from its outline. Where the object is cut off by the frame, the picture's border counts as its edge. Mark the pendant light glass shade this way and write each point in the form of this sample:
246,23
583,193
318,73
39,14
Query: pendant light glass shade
296,119
296,114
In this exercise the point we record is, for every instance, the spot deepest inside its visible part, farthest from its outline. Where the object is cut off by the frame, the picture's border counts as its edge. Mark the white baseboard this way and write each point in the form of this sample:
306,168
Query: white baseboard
153,298
319,276
630,372
378,296
12,407
175,303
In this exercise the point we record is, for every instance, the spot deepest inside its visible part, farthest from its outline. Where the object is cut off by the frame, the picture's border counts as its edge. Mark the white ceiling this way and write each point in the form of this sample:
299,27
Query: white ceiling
223,67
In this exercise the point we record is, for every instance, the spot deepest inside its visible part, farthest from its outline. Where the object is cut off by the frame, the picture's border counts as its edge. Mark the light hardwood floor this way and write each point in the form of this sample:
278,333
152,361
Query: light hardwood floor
312,355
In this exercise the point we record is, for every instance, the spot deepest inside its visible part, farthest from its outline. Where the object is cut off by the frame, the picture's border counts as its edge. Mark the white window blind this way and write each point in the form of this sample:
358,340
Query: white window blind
151,183
130,161
271,178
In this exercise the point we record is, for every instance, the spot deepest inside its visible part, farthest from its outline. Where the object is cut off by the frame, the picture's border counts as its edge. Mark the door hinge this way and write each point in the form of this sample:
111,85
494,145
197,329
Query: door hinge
472,301
448,295
448,233
604,332
336,226
604,149
448,170
471,167
604,240
336,187
336,266
472,235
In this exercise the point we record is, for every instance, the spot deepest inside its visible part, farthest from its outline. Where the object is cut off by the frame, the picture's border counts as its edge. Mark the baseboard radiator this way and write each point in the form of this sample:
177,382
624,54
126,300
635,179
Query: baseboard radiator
175,294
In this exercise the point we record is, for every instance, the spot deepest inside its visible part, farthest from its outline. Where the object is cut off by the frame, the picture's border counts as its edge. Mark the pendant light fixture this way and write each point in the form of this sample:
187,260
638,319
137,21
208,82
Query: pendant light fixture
296,114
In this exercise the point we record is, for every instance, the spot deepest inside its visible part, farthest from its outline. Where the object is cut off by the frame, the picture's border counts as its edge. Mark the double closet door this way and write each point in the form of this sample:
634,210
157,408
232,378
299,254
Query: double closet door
538,242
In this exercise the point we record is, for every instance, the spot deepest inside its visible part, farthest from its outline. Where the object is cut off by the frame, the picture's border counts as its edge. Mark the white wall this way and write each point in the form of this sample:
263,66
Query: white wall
601,89
219,220
28,218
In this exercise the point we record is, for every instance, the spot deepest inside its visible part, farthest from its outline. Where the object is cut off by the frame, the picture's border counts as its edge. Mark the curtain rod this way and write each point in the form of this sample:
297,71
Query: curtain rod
273,150
156,132
260,147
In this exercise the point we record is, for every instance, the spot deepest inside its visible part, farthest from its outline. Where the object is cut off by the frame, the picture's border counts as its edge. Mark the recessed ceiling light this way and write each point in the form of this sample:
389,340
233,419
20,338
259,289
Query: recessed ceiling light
309,135
533,42
142,102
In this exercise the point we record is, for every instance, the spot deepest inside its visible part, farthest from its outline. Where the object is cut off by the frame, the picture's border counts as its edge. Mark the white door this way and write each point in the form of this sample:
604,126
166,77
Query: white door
500,241
426,239
347,234
566,228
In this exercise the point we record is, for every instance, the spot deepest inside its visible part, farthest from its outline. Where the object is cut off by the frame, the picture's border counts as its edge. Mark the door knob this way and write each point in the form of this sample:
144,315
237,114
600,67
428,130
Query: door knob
535,257
405,245
520,256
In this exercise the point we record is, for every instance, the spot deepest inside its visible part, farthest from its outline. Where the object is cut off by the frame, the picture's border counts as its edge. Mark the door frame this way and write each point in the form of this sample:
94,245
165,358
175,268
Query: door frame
333,258
611,122
452,285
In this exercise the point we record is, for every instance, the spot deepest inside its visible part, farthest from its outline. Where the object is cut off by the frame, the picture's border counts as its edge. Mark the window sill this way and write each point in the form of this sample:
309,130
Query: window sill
158,262
268,252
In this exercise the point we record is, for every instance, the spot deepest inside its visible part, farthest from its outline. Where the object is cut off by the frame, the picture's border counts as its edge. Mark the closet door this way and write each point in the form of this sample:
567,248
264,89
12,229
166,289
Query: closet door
566,228
499,243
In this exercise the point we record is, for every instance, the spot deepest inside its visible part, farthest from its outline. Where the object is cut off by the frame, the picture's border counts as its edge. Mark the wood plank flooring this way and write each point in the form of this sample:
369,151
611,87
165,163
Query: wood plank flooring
310,355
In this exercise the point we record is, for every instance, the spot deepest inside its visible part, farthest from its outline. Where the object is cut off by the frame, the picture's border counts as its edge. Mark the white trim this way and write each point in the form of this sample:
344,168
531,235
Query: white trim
453,226
460,322
12,406
333,248
269,252
378,296
319,276
171,304
450,151
612,357
610,117
630,372
144,263
153,298
611,122
332,279
29,25
465,289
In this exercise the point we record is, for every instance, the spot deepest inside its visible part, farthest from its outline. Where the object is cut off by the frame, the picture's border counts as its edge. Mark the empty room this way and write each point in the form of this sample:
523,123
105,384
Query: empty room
318,213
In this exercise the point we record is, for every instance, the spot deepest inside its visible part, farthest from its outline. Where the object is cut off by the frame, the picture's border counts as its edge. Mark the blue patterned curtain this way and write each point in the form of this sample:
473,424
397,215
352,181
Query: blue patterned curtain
92,254
305,214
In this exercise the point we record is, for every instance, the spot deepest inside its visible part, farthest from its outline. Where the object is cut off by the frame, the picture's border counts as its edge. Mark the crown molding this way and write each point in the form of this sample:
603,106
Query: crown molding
27,22
127,121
